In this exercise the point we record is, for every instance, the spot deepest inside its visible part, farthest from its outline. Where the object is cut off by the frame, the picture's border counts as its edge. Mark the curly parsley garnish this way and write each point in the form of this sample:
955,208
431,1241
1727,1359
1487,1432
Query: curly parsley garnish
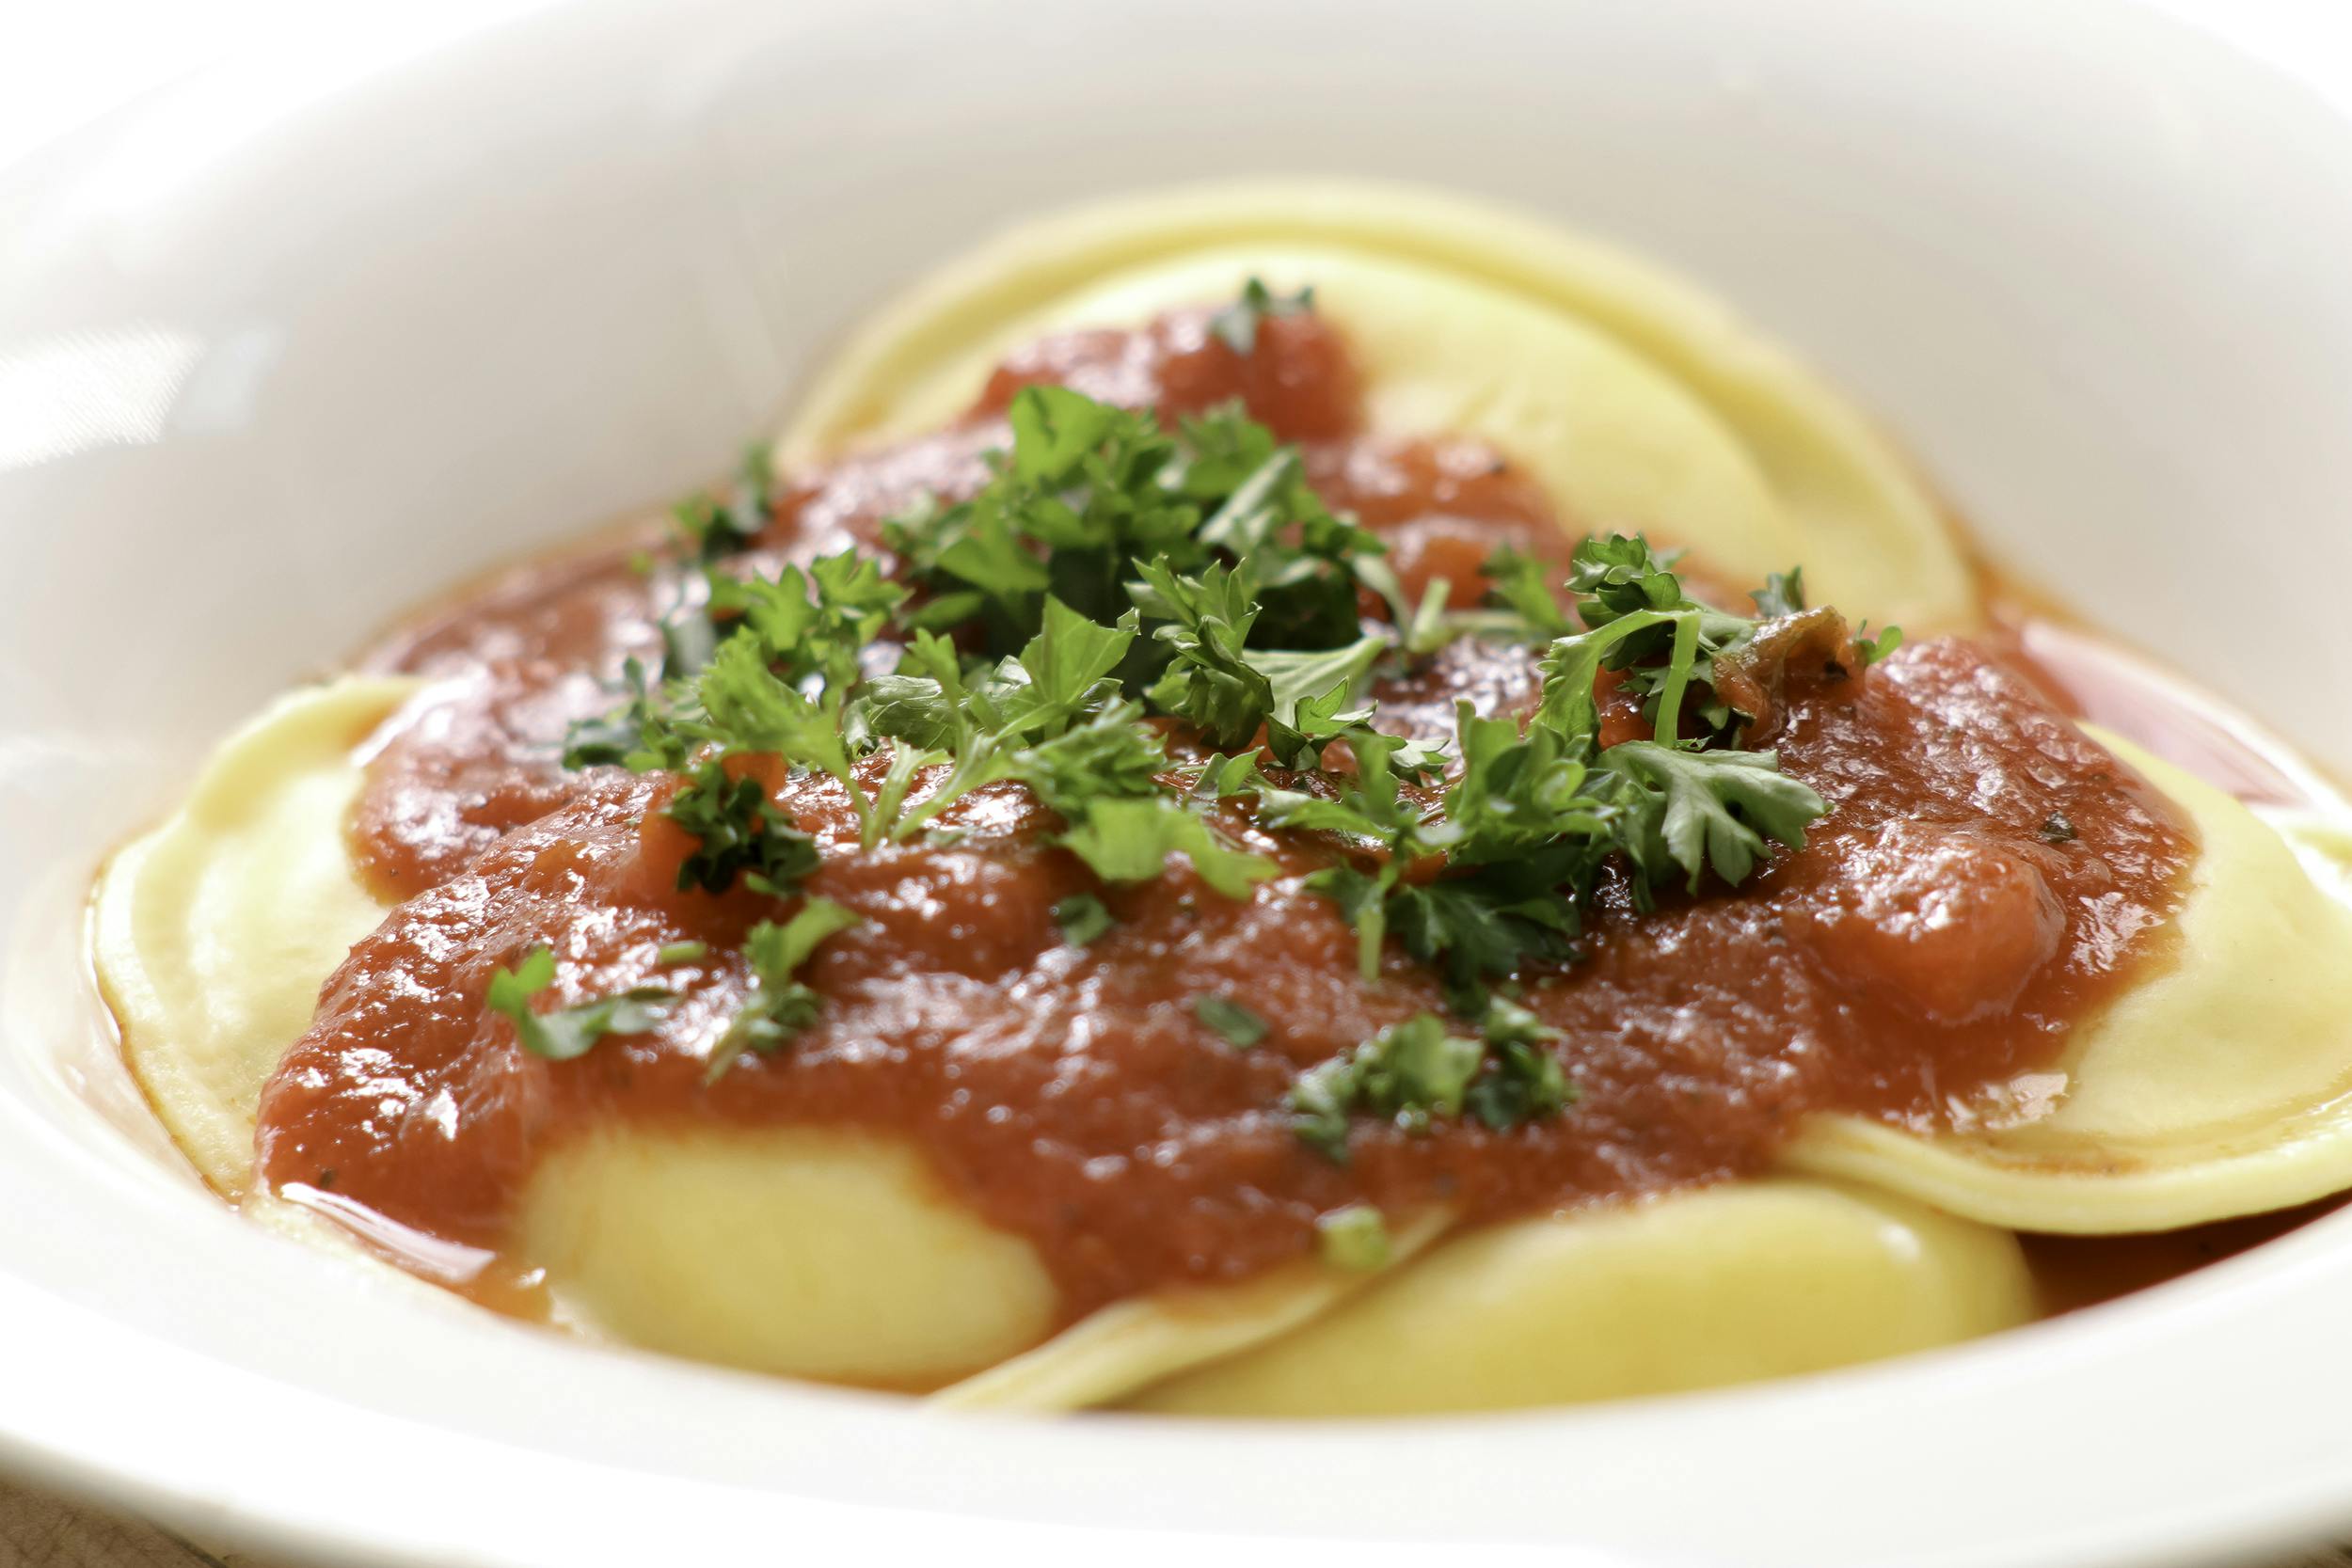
739,832
1416,1073
1241,1028
1082,917
567,1032
1113,580
1237,325
1355,1238
779,1005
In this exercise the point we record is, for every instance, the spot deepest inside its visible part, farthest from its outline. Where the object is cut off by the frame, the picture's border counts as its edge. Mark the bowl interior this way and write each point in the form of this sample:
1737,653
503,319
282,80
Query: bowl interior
291,348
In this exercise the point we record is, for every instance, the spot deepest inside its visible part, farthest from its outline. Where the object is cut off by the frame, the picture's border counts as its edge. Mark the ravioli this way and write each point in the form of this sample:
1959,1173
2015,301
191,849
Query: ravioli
1130,1344
797,1251
805,1253
1691,1289
1638,402
215,931
2220,1085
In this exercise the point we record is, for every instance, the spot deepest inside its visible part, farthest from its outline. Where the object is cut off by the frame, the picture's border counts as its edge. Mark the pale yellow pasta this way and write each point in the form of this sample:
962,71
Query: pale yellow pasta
215,931
1638,401
1693,1289
791,1250
2218,1085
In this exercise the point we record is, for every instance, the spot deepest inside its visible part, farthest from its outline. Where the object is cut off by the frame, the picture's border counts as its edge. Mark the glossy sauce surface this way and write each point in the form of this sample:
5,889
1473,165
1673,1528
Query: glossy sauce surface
1940,931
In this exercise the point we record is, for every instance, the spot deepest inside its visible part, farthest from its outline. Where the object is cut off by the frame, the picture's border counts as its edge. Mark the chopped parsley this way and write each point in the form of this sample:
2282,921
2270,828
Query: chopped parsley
711,529
1236,326
1417,1073
1241,1028
1355,1238
567,1032
779,1005
1082,917
1413,1074
739,832
1113,583
680,953
1524,1081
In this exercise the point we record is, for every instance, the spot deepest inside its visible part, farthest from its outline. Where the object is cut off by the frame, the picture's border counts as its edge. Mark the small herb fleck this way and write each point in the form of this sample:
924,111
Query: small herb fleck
1411,1073
1236,326
680,953
1355,1237
1241,1028
2056,829
742,833
1082,918
779,1007
568,1032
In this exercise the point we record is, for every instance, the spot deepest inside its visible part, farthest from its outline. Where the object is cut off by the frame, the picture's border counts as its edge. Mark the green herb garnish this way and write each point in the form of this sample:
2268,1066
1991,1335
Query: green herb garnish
1112,576
1411,1072
1241,1028
779,1007
1082,917
1417,1072
1237,325
1355,1238
713,530
740,832
567,1032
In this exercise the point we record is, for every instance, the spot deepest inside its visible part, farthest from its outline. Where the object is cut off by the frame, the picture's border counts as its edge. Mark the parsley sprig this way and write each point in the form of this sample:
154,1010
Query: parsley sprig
1417,1072
779,1005
1236,326
563,1033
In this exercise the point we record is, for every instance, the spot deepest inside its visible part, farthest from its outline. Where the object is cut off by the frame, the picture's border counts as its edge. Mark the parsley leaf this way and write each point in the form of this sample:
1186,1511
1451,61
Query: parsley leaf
813,623
1082,918
1209,685
1689,663
713,529
637,736
778,1006
1241,1028
1487,923
1697,811
1130,840
1782,594
740,832
564,1033
1522,584
1415,1072
1236,326
1110,757
1085,490
1410,1073
1523,1082
748,708
1355,1237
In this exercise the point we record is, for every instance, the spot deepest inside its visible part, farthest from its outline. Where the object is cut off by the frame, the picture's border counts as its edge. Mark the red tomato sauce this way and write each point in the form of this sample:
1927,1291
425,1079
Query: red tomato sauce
1934,936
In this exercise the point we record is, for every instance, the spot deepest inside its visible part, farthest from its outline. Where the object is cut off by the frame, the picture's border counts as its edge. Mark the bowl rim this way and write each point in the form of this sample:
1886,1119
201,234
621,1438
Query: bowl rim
185,1458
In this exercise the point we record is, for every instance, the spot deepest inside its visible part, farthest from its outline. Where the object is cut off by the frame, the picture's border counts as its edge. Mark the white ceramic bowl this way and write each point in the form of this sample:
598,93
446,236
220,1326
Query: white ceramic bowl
287,350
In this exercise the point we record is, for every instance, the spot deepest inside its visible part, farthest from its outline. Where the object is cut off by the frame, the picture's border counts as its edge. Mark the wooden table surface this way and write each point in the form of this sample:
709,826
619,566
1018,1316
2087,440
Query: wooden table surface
42,1531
